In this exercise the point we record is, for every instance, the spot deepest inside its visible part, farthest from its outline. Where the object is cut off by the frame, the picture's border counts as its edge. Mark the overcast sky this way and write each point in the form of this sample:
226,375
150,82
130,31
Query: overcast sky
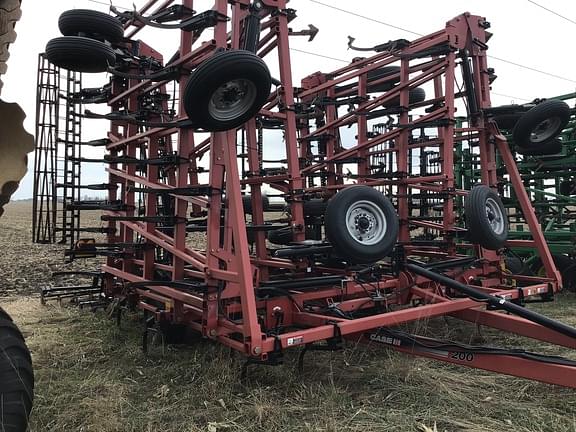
524,34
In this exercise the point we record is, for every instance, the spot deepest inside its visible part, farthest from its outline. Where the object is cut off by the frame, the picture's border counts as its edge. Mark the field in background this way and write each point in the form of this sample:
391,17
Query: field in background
93,376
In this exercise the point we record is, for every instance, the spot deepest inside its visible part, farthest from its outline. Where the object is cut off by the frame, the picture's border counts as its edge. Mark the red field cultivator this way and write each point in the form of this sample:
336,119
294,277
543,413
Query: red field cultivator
366,239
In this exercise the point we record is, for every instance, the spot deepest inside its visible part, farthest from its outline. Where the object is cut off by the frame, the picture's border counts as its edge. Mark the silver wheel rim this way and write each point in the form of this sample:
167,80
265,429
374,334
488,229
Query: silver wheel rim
545,130
232,99
495,216
366,223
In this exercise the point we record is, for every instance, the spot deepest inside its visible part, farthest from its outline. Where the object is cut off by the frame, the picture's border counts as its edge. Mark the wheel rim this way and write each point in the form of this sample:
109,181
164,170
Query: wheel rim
366,223
495,216
545,130
232,99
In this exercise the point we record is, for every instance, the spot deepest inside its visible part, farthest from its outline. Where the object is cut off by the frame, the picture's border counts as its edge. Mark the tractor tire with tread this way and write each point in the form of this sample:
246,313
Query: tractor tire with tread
486,218
361,224
90,23
16,376
80,54
541,124
227,90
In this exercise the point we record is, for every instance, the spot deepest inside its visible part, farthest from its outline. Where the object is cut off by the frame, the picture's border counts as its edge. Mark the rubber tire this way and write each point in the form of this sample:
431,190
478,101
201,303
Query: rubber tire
567,188
247,203
16,377
546,148
10,13
315,207
565,265
416,95
343,243
532,118
222,67
80,54
479,229
91,23
514,265
281,237
507,122
380,73
372,76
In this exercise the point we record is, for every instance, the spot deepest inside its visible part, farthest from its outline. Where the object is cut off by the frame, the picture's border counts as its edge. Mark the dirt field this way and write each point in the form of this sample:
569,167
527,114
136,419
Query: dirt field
93,376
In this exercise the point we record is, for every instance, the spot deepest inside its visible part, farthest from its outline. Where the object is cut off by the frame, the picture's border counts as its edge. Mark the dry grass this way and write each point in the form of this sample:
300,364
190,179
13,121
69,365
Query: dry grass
92,376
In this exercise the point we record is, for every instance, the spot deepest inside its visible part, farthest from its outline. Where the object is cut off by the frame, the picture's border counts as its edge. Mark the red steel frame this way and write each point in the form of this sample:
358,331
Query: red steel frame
227,308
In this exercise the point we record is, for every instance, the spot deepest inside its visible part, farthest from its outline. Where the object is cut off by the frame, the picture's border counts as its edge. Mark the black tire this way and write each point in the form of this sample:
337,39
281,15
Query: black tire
541,124
16,377
80,54
92,24
565,265
10,13
416,95
232,73
541,149
372,76
247,203
375,224
281,237
380,73
486,218
315,207
507,122
568,187
514,265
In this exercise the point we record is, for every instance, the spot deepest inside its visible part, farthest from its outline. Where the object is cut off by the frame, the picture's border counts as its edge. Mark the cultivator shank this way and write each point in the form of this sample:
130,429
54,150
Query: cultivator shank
368,238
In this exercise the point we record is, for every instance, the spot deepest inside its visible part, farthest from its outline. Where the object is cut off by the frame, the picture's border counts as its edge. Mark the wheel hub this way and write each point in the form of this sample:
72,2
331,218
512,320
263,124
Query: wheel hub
232,99
545,130
366,222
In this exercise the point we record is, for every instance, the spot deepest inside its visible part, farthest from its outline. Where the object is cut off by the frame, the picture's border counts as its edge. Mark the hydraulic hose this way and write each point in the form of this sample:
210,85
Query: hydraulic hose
497,302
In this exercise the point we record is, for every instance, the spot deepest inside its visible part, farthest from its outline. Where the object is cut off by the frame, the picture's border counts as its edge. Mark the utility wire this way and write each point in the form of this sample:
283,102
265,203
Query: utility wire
418,34
319,55
108,4
367,18
533,69
552,12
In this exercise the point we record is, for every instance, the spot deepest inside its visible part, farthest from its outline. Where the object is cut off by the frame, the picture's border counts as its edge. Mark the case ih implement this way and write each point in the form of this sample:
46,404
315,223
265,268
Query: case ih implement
356,252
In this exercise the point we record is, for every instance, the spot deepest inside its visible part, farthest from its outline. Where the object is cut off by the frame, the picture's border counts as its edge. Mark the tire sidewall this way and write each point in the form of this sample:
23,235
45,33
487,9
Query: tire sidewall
343,242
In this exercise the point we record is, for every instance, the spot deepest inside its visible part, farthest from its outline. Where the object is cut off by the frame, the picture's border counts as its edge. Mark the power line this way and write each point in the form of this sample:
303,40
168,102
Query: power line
346,61
319,55
509,96
533,69
108,4
552,12
418,34
367,18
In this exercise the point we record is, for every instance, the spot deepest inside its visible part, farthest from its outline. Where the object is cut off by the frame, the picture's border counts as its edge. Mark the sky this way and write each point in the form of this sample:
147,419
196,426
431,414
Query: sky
524,34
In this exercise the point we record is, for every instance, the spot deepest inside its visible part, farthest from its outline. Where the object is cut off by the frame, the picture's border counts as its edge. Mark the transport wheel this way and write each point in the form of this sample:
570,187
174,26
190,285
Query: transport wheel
568,187
16,377
380,73
486,218
541,149
247,203
416,95
514,265
315,207
506,122
565,265
375,75
282,236
227,90
361,224
541,123
90,23
80,54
